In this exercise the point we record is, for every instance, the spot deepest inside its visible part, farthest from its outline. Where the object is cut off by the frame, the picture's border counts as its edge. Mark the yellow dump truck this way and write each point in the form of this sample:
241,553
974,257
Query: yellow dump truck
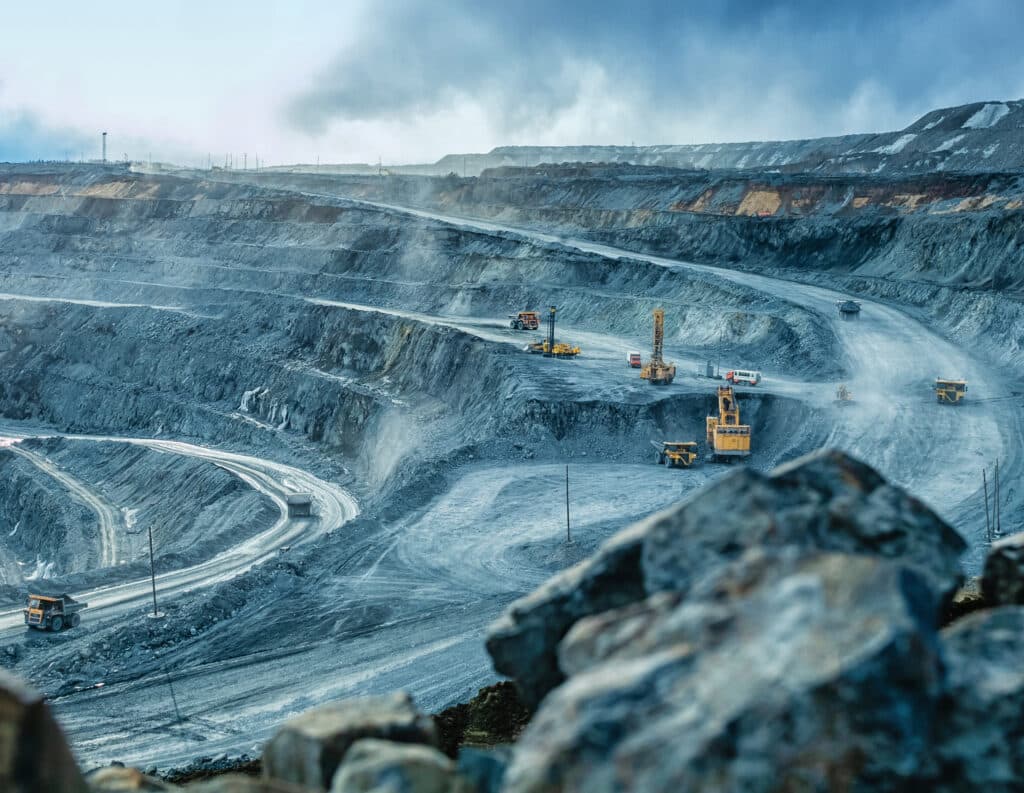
53,612
950,392
727,438
676,454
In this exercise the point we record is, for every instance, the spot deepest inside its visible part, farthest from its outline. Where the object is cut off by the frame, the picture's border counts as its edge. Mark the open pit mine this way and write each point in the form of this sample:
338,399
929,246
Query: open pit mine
277,444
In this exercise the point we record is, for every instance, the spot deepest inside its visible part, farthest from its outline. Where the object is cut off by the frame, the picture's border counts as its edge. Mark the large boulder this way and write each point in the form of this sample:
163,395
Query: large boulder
34,757
1002,580
824,501
308,749
119,779
523,642
981,733
826,675
375,765
239,783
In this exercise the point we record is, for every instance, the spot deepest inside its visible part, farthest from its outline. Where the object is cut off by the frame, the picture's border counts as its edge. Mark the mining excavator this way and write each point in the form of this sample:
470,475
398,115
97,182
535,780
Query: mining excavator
843,395
549,348
727,438
950,392
656,371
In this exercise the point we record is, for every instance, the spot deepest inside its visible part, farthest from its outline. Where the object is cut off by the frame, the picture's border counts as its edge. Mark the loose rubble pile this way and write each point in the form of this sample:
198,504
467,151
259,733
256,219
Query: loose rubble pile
774,633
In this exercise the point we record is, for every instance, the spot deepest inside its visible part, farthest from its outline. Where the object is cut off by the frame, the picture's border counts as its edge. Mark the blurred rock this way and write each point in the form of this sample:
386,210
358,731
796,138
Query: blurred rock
375,765
826,677
115,779
1002,581
824,501
981,733
523,642
308,748
483,770
239,783
34,756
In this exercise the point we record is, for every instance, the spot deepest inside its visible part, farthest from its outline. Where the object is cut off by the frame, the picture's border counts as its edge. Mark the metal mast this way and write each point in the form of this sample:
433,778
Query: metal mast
659,337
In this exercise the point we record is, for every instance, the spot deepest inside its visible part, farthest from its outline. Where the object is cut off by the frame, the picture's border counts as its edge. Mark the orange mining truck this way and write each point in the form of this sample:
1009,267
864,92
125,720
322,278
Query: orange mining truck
727,438
53,612
633,360
524,320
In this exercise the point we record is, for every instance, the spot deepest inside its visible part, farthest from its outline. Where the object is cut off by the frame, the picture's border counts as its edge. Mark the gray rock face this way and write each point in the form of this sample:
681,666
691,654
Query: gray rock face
825,501
308,749
980,742
34,757
1002,580
827,677
523,643
375,765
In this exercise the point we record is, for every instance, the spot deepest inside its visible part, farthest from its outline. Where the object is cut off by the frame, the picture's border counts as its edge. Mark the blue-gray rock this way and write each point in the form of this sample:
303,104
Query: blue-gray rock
980,743
828,676
34,756
824,501
308,749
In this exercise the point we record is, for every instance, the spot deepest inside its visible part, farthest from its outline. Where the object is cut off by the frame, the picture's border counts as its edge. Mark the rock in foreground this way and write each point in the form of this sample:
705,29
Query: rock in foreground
826,501
308,749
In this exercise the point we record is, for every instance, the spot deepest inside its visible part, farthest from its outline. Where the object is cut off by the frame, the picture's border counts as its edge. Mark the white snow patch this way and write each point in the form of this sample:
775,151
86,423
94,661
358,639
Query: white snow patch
42,570
988,116
16,525
990,150
897,145
249,396
129,516
935,123
949,144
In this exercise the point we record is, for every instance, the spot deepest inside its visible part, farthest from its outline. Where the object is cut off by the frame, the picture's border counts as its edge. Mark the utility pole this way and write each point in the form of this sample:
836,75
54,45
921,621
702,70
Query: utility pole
245,161
999,517
568,534
104,147
152,572
988,524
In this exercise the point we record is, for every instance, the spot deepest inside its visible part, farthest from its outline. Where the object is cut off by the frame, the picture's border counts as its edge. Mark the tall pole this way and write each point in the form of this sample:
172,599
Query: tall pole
152,571
988,524
999,517
104,146
568,534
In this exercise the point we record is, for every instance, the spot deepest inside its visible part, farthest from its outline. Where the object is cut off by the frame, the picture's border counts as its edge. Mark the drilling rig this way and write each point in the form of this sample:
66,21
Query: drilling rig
549,348
657,372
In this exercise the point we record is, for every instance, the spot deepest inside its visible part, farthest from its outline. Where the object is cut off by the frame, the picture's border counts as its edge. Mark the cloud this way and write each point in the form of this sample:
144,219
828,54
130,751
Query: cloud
665,71
23,136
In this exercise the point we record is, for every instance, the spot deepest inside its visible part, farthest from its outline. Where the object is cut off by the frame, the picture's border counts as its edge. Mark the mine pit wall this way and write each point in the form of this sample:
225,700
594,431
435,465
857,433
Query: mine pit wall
293,246
40,526
391,395
948,244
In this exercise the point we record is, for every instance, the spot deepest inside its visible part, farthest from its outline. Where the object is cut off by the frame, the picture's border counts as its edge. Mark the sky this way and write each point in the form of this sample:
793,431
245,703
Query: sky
408,81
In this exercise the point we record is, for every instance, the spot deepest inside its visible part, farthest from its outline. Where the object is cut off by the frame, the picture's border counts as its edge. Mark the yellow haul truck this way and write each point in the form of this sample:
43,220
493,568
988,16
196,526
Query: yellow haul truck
676,454
53,612
950,392
727,438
